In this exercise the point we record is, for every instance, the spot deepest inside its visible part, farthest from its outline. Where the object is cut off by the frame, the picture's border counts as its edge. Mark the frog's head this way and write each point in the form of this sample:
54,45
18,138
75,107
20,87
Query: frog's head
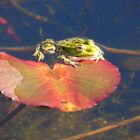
86,49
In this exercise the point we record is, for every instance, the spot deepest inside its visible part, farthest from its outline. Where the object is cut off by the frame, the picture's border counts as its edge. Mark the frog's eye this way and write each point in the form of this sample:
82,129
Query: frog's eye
80,48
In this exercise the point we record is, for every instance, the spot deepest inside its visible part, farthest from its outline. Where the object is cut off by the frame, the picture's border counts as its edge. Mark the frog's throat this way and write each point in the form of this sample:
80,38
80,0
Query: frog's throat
97,56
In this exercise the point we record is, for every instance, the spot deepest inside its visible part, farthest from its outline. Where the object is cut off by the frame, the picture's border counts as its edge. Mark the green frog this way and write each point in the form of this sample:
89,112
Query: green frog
70,51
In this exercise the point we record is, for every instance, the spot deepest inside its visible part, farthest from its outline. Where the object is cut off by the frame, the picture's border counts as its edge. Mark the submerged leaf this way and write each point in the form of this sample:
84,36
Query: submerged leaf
64,87
132,63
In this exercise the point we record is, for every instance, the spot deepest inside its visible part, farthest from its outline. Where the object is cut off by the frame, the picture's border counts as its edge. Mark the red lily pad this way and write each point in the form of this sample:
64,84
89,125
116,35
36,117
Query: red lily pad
64,87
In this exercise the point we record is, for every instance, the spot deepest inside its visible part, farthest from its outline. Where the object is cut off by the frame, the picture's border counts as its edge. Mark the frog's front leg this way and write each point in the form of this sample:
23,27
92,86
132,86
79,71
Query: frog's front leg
68,61
38,53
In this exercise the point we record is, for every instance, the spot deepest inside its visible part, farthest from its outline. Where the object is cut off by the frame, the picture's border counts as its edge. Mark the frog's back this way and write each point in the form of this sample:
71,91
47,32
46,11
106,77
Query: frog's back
70,42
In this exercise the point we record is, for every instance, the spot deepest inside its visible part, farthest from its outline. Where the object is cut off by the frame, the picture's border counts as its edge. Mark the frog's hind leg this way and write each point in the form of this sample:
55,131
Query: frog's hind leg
38,54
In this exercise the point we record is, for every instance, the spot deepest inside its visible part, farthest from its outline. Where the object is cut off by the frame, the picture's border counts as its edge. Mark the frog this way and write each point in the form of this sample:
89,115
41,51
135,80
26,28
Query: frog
71,51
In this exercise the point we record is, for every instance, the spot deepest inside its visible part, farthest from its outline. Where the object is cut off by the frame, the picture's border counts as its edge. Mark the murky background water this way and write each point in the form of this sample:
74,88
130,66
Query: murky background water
113,23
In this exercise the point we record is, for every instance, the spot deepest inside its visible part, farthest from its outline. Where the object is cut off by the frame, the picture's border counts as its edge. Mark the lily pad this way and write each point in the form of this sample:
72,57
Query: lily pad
64,87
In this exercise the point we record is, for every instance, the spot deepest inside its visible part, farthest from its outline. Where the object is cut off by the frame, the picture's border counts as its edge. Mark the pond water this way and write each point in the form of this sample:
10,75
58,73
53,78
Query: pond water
112,23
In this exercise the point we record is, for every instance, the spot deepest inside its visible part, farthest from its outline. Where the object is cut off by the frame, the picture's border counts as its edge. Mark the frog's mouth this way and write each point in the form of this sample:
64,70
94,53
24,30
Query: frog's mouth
96,56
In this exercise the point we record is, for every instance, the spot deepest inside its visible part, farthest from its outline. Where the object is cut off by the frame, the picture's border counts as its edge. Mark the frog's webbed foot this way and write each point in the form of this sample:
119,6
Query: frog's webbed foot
68,61
38,54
